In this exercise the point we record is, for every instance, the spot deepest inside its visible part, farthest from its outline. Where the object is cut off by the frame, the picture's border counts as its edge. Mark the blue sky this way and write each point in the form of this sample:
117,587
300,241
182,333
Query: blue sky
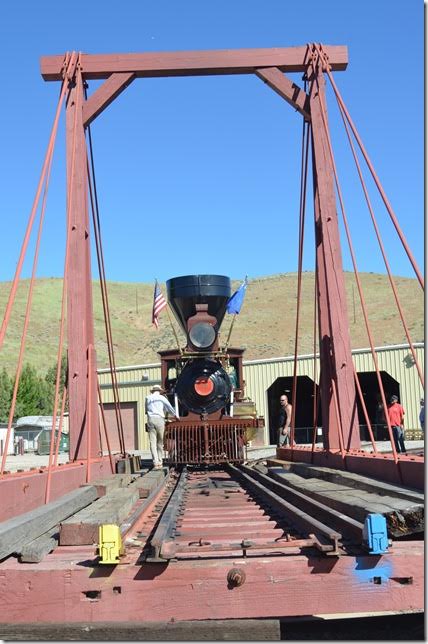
201,175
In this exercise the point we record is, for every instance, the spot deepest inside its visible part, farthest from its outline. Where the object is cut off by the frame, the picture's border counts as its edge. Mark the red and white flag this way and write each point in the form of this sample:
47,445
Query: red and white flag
159,303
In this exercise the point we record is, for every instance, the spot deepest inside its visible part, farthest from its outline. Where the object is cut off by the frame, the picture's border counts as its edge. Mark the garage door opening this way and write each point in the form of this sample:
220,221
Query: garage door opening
371,394
130,426
304,407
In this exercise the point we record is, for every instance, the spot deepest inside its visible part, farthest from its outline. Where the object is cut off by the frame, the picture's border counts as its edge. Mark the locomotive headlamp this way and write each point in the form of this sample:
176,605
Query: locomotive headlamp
202,335
203,386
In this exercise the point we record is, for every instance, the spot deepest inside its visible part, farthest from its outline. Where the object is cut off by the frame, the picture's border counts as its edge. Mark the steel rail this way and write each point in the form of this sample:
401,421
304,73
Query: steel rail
297,517
348,526
168,521
145,504
167,540
174,541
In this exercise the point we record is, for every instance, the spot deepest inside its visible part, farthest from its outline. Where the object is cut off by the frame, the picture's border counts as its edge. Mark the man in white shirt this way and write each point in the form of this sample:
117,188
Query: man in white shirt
156,407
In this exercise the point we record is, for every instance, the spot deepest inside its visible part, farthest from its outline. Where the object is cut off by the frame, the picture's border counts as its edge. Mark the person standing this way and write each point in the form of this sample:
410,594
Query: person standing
284,421
157,406
396,418
422,415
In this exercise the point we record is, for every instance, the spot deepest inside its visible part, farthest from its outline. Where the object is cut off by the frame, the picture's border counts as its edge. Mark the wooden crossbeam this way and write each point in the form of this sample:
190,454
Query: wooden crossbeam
106,485
35,551
402,516
193,63
289,91
29,526
105,95
82,527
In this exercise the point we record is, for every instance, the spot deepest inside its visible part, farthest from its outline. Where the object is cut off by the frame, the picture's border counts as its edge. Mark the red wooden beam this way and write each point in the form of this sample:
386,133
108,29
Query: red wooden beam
334,339
105,95
80,316
67,587
289,91
194,63
24,491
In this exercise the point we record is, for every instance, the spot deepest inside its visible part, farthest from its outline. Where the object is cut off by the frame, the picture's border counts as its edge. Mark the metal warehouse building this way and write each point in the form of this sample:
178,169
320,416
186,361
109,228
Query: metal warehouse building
266,380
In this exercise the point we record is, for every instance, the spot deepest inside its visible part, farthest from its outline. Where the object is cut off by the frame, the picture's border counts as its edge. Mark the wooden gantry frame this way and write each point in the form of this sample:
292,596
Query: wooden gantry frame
337,385
66,588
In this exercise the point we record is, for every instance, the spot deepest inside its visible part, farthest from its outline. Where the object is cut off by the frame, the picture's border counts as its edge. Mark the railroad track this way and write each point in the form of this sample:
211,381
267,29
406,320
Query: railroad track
238,511
221,543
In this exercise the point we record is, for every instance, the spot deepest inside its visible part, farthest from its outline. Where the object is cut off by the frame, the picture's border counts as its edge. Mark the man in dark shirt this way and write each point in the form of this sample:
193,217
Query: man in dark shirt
284,420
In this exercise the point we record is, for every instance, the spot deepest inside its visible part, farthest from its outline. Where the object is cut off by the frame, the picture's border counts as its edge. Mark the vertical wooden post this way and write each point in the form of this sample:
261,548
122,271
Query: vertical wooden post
335,345
80,319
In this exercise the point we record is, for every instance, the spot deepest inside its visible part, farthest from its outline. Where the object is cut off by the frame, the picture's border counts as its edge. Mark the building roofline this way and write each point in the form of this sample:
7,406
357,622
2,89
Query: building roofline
353,351
152,365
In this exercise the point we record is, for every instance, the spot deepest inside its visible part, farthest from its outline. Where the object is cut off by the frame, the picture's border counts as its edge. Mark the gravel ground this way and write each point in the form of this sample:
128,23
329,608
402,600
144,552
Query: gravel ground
26,461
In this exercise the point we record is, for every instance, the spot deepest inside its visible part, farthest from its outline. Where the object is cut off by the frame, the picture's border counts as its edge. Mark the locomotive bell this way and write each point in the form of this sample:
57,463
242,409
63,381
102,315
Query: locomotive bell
199,304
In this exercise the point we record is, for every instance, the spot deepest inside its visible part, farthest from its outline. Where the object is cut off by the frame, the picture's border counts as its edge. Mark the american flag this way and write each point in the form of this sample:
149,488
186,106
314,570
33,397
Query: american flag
159,303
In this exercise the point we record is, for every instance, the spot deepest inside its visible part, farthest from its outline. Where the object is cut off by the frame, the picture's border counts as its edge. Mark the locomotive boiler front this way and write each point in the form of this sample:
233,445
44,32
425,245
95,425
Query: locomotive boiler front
199,304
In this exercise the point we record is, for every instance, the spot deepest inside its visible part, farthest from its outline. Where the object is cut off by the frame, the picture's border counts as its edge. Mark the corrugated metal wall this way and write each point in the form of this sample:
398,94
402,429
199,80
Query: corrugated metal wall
397,361
134,385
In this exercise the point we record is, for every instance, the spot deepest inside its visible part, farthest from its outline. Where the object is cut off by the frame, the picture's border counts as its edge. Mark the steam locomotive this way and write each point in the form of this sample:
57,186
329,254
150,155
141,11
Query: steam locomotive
204,381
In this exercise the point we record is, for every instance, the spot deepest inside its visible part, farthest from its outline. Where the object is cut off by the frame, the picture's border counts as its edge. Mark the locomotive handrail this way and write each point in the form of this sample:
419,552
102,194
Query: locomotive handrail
204,354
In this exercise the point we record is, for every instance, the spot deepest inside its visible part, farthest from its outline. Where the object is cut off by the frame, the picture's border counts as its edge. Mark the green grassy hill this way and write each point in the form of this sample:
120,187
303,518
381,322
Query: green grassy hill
265,326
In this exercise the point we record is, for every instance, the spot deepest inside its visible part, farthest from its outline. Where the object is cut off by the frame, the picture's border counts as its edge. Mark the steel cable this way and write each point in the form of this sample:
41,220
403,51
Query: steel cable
104,293
394,220
302,209
69,63
63,299
360,291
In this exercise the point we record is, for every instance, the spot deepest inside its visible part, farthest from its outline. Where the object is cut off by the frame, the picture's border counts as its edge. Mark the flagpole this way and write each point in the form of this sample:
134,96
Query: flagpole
237,299
173,329
165,304
230,332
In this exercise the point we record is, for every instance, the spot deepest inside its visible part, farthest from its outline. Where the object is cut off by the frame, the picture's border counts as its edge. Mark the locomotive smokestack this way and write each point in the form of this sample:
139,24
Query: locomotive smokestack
203,296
